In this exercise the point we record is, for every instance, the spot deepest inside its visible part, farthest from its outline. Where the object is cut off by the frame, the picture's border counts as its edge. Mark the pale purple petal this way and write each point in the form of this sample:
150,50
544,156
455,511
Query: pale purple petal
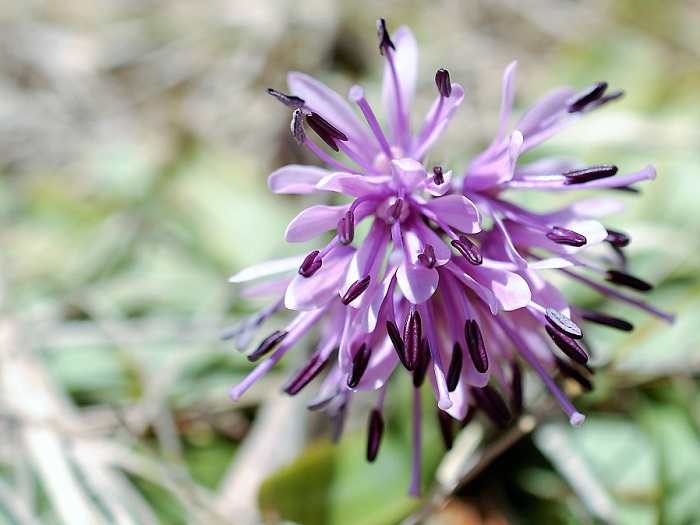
397,103
295,178
381,364
370,315
417,283
407,173
433,128
510,289
267,268
457,211
318,290
437,190
314,221
353,185
544,111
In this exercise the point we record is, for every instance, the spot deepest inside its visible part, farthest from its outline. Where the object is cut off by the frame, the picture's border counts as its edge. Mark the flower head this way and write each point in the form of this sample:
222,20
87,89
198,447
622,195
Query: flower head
427,290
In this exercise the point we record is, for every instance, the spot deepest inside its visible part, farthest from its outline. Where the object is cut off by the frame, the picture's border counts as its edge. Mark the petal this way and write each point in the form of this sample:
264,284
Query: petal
457,211
397,102
544,111
433,128
366,261
417,283
318,290
352,184
320,99
267,268
438,190
485,173
370,315
381,364
510,289
482,291
295,178
407,173
314,221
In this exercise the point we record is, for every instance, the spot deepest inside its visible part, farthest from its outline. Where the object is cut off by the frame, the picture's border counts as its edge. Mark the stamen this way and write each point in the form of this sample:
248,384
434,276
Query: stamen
455,368
582,99
567,345
442,79
427,258
324,129
270,342
393,332
394,212
563,324
438,175
422,365
356,290
475,344
516,386
346,228
607,98
468,249
617,239
572,372
307,373
310,265
627,280
297,127
384,40
589,174
492,403
412,335
359,365
288,100
607,320
446,428
566,237
374,437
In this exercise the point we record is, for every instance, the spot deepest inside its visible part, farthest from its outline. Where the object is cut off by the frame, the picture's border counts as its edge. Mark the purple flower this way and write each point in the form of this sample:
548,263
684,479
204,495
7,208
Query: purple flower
426,288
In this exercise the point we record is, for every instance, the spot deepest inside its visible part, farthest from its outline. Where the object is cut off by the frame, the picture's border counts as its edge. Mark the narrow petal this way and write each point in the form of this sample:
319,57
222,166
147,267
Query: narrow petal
397,102
267,269
510,289
352,184
433,128
317,291
544,111
457,211
296,179
314,221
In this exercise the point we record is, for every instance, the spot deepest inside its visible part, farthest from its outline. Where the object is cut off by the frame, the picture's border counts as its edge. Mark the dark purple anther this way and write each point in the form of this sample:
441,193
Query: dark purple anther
393,332
446,428
310,265
394,212
468,249
427,258
374,437
492,403
412,335
297,127
589,174
442,79
563,324
384,40
455,369
516,387
566,237
267,345
585,97
359,365
356,290
567,345
438,175
574,373
607,320
475,345
288,100
324,129
627,280
307,373
617,239
346,228
422,365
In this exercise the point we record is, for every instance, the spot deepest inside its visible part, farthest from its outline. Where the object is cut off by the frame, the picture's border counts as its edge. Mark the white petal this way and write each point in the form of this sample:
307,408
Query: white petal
267,268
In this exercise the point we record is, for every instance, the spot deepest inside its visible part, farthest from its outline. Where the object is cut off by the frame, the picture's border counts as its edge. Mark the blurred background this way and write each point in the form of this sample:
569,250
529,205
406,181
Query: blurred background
135,142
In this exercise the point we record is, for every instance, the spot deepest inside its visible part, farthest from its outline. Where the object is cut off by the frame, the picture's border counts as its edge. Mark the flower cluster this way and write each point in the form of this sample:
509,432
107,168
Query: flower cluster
430,289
